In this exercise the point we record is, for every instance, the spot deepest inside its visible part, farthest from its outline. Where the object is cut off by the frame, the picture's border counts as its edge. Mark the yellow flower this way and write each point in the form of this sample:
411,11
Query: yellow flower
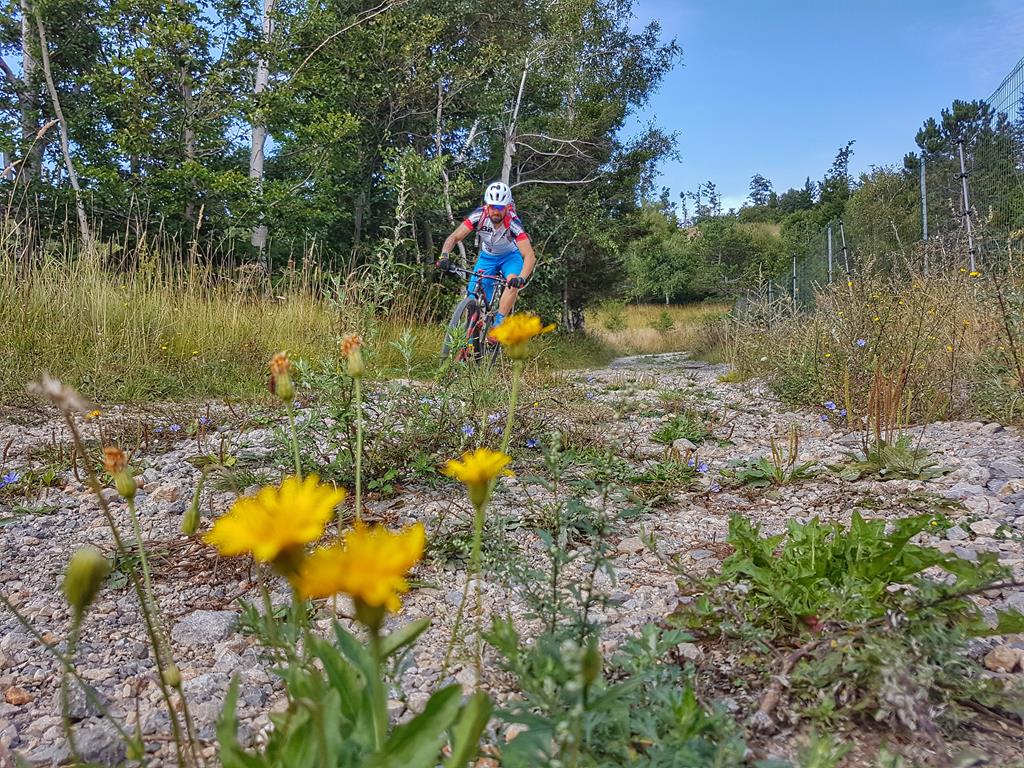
963,270
276,519
875,318
949,347
93,415
516,330
476,469
828,354
975,274
369,565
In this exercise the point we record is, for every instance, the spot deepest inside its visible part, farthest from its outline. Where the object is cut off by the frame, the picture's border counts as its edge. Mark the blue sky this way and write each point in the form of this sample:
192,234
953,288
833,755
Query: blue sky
777,87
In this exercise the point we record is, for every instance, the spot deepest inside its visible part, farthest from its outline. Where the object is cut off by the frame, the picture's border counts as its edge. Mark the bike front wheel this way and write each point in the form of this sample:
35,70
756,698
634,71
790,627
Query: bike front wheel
464,338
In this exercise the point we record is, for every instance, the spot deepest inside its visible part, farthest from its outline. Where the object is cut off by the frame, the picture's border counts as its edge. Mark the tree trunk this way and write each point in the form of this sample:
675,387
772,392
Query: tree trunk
30,108
188,136
259,128
446,180
65,145
510,130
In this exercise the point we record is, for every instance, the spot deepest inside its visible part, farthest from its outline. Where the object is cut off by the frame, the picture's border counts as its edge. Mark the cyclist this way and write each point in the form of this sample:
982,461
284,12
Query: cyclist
505,248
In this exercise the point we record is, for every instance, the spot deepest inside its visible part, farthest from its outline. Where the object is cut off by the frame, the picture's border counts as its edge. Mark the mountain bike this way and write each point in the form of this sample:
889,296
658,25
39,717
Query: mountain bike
465,340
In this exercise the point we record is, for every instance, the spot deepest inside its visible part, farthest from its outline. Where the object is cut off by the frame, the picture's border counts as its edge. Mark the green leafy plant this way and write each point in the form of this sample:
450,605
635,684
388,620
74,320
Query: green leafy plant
688,425
663,323
658,483
614,315
331,718
899,460
861,626
781,468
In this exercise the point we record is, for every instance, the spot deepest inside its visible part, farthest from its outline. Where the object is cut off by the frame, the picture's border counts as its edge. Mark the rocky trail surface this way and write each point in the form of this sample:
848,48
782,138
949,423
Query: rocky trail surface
623,405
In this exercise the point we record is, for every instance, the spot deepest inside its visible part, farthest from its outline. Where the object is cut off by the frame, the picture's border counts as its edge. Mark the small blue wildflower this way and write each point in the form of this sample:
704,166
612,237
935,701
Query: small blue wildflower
702,467
823,417
591,379
9,479
715,487
425,401
842,412
862,343
532,442
468,430
175,427
204,421
829,405
691,462
159,430
493,417
496,429
590,395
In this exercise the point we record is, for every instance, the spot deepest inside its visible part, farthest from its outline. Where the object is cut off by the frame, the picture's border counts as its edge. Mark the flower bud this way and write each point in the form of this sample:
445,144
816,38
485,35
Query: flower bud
280,377
172,675
84,577
352,351
190,522
116,465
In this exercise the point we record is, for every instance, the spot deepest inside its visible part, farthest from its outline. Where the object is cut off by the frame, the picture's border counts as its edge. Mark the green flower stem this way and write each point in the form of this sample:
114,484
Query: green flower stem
137,528
357,382
66,665
65,708
517,375
148,619
295,438
473,573
377,700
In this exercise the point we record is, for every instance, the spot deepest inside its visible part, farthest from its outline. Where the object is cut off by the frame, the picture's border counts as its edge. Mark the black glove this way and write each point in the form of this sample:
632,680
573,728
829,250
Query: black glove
516,282
443,264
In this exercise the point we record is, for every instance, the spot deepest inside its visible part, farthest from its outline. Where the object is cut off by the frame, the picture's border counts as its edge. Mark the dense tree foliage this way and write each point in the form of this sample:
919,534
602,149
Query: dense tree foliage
308,127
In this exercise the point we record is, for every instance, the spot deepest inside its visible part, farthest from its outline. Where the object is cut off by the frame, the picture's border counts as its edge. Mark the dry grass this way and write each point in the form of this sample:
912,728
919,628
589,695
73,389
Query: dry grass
644,330
944,342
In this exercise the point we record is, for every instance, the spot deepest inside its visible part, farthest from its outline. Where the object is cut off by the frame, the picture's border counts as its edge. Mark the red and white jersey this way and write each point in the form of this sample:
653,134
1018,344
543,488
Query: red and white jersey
500,239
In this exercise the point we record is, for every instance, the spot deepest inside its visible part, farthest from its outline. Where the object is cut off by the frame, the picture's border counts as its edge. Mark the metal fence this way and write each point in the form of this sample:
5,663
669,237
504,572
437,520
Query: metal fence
957,206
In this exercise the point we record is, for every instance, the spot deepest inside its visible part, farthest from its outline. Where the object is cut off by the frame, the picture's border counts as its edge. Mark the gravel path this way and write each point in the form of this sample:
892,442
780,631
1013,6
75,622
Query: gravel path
198,593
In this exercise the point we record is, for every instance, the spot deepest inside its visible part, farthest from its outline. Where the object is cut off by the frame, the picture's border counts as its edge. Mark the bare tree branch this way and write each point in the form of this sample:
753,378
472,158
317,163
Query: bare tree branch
386,5
556,181
15,80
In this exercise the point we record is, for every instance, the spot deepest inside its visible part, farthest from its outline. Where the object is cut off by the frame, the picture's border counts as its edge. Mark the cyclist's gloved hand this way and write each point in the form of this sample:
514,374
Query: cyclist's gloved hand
516,282
443,264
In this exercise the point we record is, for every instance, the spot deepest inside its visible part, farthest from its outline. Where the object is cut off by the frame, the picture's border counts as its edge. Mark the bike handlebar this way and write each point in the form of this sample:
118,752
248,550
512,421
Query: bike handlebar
470,273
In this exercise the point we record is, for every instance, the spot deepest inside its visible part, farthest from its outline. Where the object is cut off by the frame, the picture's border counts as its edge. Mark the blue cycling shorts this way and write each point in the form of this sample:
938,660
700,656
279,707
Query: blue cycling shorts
510,263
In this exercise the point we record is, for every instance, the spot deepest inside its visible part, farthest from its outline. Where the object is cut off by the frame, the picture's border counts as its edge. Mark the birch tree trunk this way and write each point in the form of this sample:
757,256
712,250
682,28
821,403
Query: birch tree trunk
65,145
510,130
259,128
33,148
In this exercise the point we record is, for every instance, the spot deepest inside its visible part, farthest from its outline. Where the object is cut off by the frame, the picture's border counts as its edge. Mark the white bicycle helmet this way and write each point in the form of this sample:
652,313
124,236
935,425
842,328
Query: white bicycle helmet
498,194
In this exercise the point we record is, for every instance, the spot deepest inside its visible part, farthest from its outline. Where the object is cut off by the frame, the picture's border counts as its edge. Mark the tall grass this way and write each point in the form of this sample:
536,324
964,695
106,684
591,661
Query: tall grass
631,329
951,345
158,331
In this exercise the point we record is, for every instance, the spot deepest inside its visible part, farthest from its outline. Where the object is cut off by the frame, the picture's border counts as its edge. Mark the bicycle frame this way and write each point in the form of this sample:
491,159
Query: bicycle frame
480,321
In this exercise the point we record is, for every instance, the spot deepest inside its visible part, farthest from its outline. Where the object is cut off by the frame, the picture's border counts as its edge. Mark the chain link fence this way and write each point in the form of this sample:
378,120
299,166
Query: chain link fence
958,205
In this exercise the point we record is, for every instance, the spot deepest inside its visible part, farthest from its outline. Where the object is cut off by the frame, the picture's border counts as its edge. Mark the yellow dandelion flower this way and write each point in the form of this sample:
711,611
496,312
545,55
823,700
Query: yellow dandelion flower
828,354
875,318
276,519
93,415
963,270
949,347
516,330
369,565
476,469
975,274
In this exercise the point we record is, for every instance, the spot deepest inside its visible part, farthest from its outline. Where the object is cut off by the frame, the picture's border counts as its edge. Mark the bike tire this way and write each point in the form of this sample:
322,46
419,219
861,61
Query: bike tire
463,341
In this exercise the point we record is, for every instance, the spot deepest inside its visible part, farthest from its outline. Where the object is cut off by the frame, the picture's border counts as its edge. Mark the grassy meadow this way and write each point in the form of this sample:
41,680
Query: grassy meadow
170,332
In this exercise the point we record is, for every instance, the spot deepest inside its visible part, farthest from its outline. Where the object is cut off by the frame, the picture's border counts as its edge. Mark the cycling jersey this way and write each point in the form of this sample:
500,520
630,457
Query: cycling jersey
500,239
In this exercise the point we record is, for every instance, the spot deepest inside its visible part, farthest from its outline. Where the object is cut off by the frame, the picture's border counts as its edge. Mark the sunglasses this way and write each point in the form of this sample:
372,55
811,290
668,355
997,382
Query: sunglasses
498,208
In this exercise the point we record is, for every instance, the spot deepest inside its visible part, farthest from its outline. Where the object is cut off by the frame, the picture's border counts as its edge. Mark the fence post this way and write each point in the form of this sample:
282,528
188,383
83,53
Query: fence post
924,203
846,251
966,203
830,253
794,283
